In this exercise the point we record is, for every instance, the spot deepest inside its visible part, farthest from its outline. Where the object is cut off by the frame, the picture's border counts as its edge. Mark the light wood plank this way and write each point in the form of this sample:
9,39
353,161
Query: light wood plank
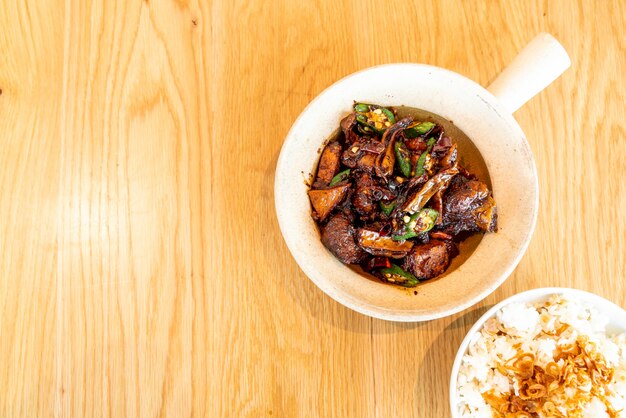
143,272
30,93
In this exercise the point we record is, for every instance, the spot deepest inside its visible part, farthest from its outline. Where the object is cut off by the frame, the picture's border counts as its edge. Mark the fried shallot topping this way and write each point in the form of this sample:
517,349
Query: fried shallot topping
578,374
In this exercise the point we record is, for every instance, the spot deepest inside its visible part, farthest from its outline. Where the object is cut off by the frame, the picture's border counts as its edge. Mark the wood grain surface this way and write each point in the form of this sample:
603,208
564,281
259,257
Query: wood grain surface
142,271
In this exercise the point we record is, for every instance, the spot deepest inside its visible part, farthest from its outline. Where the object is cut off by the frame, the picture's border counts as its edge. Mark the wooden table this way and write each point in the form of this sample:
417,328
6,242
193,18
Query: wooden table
143,272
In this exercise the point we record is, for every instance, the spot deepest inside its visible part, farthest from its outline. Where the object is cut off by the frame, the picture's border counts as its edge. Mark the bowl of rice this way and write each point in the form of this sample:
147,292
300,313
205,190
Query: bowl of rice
550,352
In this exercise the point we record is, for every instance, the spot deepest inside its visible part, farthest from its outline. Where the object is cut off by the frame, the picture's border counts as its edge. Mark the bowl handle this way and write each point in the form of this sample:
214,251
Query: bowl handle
541,62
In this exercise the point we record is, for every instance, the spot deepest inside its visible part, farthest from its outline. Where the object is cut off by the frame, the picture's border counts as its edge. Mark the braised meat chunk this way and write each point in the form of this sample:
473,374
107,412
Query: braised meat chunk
329,164
338,237
391,196
429,260
325,200
367,193
468,206
362,154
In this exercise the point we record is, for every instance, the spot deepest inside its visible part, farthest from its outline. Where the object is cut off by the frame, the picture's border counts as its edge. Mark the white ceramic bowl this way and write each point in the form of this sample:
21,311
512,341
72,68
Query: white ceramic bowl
485,119
616,325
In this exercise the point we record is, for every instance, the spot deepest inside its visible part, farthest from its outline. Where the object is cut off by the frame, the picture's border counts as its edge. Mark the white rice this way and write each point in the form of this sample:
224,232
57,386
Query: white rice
533,327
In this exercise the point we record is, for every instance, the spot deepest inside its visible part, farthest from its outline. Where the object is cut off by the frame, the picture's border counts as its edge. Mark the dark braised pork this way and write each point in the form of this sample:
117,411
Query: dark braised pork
391,196
367,193
329,164
429,260
468,207
338,237
325,200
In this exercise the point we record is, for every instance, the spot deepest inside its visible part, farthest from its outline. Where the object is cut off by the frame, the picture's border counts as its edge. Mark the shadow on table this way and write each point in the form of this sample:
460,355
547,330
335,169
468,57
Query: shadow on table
436,365
315,303
292,281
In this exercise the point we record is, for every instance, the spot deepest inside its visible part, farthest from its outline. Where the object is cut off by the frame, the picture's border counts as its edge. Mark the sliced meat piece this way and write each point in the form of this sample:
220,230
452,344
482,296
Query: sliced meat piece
387,159
338,237
468,206
325,200
438,182
449,158
442,146
362,154
368,144
367,163
384,246
347,126
429,260
366,196
349,159
416,144
362,199
440,235
328,165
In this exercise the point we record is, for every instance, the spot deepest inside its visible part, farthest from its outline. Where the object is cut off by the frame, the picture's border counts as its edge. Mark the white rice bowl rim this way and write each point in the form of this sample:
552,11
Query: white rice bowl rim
616,325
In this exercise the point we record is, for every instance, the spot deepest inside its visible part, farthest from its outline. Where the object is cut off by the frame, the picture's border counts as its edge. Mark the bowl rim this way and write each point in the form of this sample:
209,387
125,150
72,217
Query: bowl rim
532,294
378,311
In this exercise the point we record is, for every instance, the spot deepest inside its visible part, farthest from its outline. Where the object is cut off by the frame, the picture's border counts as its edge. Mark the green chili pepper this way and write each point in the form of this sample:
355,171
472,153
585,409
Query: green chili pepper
341,176
420,222
417,129
363,126
395,274
402,158
361,108
424,127
428,217
404,237
419,166
387,208
373,118
389,115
